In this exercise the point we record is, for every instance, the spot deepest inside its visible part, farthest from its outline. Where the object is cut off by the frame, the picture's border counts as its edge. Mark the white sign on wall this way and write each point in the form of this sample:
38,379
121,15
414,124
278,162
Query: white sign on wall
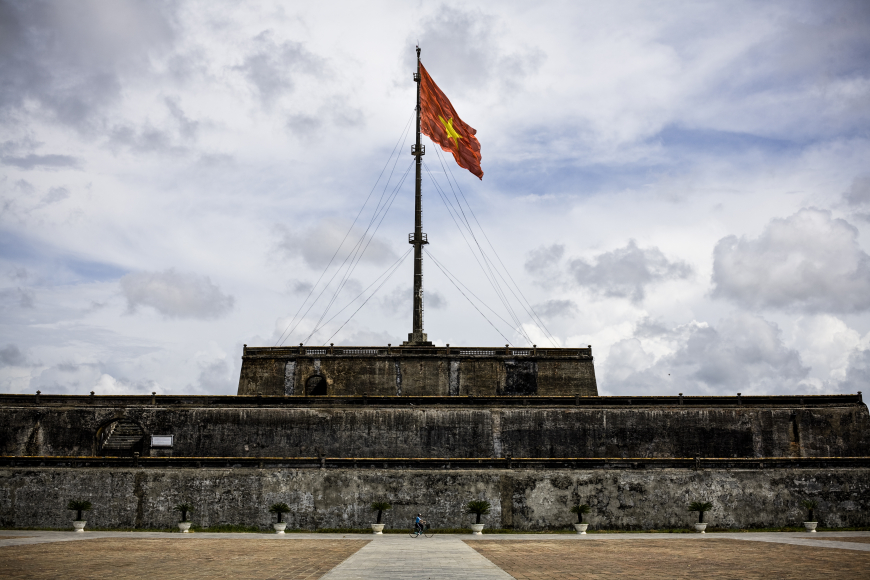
161,440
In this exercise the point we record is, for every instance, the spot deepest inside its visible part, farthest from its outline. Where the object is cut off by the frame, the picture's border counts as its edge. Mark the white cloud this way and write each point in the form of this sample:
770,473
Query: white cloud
215,376
556,308
809,261
270,67
463,52
11,355
137,135
176,294
742,353
858,373
627,272
859,191
543,258
334,240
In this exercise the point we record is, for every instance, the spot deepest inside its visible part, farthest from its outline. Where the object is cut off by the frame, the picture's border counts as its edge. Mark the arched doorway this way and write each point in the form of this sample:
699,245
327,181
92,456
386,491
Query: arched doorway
315,386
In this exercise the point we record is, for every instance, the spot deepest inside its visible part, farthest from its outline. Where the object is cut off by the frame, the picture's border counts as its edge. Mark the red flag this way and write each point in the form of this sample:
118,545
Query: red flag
439,122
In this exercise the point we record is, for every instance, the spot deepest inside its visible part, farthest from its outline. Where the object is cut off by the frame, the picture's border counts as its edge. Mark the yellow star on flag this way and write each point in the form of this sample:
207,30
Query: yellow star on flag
448,126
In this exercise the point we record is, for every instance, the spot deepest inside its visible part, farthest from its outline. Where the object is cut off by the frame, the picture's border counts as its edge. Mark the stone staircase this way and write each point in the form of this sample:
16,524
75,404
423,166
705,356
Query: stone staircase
121,438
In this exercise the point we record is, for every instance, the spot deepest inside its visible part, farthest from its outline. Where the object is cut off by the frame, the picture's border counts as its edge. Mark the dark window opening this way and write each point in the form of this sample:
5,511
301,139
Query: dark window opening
315,386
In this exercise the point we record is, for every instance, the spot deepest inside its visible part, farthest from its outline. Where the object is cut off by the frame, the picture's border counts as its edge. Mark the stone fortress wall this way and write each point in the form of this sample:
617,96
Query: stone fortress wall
522,499
417,371
329,430
421,427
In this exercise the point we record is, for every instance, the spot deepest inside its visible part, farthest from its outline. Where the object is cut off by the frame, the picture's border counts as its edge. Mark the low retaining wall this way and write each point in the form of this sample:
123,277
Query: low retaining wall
521,498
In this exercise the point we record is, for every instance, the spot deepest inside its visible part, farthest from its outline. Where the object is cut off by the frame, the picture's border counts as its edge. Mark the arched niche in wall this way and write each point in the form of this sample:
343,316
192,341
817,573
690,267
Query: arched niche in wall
120,437
315,386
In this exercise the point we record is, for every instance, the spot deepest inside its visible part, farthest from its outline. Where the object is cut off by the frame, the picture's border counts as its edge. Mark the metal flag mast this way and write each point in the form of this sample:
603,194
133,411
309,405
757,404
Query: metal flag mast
418,238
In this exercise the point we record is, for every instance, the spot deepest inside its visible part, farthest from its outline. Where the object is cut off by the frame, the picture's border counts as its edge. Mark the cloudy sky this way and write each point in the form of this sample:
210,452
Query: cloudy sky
683,185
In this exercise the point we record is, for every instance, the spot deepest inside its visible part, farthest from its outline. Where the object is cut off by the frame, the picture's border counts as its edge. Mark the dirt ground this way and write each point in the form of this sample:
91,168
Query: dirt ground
863,540
120,559
707,558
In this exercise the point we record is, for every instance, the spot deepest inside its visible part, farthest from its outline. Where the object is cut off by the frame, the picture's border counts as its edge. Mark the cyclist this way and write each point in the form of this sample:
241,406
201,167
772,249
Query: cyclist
419,524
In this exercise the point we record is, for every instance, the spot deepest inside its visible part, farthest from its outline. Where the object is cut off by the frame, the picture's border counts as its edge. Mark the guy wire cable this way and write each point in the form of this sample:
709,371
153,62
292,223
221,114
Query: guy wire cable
491,265
374,216
486,261
357,253
536,319
450,274
367,299
469,300
448,204
393,265
530,310
489,276
517,325
329,283
401,138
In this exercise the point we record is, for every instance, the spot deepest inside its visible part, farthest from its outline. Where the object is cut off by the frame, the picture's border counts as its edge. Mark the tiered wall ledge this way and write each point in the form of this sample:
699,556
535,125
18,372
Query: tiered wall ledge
463,427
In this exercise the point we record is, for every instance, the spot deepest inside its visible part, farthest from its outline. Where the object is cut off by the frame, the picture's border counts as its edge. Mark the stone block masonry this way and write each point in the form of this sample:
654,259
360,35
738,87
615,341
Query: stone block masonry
417,371
523,499
403,427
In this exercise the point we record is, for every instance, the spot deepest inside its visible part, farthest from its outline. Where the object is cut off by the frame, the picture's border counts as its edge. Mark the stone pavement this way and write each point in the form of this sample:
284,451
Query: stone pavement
122,555
402,557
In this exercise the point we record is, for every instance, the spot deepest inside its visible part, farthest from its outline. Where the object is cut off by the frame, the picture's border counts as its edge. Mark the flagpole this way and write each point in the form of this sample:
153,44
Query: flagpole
418,238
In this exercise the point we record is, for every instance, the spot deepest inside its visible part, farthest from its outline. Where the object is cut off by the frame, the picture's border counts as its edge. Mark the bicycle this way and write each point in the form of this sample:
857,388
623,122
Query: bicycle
425,530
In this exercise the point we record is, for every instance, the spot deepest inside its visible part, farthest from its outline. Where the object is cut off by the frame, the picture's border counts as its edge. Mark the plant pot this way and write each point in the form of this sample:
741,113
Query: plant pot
79,525
700,528
184,527
279,527
581,528
477,529
811,526
378,529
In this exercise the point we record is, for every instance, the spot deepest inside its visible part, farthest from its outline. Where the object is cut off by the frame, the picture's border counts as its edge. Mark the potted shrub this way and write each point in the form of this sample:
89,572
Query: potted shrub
580,509
79,506
380,507
280,509
184,524
477,508
811,523
700,507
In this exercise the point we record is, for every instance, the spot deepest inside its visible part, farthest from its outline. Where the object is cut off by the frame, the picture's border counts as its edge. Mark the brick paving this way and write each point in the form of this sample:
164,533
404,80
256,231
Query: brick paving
642,559
169,559
861,540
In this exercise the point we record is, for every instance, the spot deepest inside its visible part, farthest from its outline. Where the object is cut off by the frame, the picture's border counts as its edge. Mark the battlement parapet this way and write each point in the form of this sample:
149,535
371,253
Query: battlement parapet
414,351
235,401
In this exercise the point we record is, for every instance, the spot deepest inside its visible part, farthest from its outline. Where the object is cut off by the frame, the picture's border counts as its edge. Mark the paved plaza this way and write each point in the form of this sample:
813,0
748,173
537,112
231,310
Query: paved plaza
123,555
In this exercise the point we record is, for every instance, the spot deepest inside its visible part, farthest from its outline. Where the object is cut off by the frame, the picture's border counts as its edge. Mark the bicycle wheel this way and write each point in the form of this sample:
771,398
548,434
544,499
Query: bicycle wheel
414,535
428,532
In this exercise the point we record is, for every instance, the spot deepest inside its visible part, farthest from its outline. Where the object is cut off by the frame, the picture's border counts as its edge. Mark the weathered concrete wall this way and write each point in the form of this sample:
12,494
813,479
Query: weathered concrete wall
399,371
462,431
521,499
